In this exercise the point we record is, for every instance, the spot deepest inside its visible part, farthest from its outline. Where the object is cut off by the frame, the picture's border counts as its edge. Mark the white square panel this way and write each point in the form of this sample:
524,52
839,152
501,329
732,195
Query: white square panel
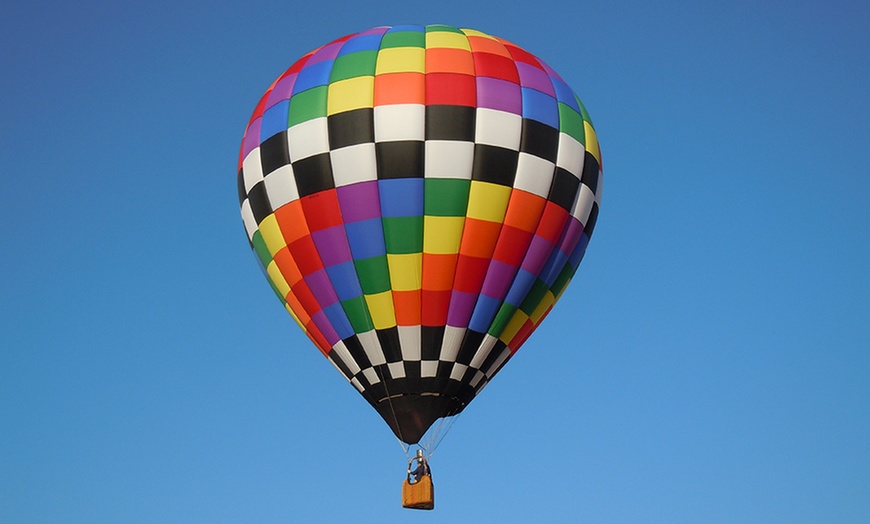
583,206
252,169
308,139
598,189
458,371
281,186
534,175
498,128
483,351
400,122
505,353
344,355
397,369
371,375
248,219
449,159
372,346
451,342
354,164
409,339
428,368
478,376
571,154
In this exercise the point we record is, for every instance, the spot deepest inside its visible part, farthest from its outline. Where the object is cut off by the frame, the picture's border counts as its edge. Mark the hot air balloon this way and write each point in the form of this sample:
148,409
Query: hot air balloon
419,197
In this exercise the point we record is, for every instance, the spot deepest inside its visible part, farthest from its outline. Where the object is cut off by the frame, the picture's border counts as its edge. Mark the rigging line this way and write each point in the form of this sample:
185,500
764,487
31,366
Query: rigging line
432,443
449,425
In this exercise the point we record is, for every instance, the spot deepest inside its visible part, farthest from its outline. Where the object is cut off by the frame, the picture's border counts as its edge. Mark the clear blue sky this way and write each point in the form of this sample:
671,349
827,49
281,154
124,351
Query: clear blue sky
709,363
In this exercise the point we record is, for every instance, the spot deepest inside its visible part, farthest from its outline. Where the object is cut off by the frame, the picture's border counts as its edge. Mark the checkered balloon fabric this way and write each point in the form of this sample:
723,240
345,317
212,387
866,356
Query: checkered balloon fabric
419,198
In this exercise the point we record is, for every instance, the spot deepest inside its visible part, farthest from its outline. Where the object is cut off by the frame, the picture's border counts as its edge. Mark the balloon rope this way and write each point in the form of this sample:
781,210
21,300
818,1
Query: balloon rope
438,437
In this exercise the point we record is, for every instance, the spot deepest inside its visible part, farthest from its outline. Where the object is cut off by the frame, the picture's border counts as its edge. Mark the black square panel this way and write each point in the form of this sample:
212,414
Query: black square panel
590,172
401,159
540,140
259,202
357,353
589,226
240,181
389,339
564,189
470,344
351,128
450,123
494,164
313,174
431,339
274,153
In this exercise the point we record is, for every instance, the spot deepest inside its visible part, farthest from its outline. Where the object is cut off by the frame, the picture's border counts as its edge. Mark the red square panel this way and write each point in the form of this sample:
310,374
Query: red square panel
321,210
305,254
512,246
400,88
455,89
407,304
306,298
438,271
291,220
443,60
287,266
521,55
496,66
470,272
524,210
479,238
435,306
552,222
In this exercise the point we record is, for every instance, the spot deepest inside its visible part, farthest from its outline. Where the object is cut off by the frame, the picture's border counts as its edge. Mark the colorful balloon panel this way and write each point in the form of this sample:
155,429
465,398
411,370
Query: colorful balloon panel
419,198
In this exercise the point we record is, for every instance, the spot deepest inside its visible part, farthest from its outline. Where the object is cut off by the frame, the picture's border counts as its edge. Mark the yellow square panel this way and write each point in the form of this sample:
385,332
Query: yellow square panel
513,327
488,201
473,32
381,309
442,235
277,278
353,93
406,271
296,318
562,291
592,142
446,39
542,308
272,234
401,60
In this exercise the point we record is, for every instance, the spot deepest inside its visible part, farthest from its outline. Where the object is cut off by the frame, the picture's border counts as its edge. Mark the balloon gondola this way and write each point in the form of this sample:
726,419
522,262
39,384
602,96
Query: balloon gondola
419,197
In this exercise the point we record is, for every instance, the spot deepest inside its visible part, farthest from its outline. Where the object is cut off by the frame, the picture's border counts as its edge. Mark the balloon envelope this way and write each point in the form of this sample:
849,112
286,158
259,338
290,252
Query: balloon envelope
419,197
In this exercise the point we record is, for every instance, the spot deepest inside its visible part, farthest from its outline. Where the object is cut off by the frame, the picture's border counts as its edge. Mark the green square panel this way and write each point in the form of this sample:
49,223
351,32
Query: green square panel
404,39
434,28
504,315
563,279
358,313
361,63
536,294
446,197
307,105
374,274
260,249
403,235
571,123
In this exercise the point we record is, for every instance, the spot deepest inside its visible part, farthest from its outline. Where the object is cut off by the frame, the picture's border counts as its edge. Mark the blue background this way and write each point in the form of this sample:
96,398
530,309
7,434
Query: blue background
709,363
